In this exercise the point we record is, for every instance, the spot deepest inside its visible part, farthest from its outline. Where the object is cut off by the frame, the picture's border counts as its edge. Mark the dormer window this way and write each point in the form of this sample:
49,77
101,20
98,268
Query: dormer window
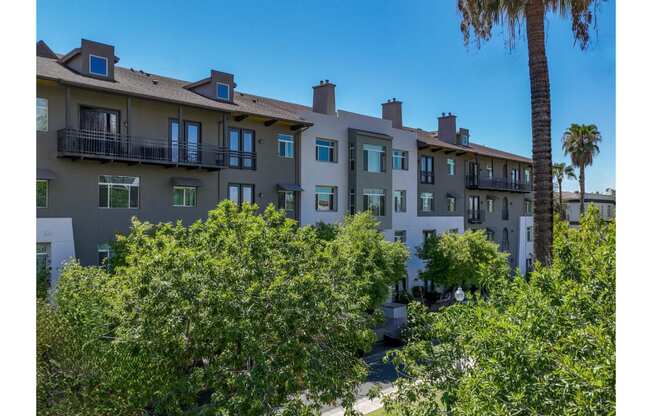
98,65
222,91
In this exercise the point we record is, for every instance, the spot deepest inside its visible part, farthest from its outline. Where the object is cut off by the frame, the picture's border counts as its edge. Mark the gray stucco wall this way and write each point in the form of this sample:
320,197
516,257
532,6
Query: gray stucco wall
443,184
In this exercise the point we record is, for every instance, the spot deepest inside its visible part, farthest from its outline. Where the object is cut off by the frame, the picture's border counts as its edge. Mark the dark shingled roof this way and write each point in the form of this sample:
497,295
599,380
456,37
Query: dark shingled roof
430,138
141,84
593,197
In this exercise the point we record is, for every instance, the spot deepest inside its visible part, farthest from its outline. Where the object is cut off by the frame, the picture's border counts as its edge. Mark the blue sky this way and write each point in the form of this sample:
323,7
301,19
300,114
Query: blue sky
372,50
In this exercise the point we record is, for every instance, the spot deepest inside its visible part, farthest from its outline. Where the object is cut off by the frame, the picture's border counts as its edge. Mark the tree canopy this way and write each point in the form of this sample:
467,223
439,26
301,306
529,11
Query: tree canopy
240,314
543,346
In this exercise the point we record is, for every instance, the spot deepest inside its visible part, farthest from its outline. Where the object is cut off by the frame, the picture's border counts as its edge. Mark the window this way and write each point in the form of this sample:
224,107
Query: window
325,150
490,205
240,193
504,245
505,212
286,202
451,203
399,201
41,194
426,170
400,236
325,199
191,149
609,214
374,201
285,145
474,209
428,233
41,114
450,163
119,191
528,207
526,175
490,234
242,148
490,171
352,156
399,160
528,264
104,253
528,233
184,196
98,65
374,158
42,256
352,202
426,201
222,91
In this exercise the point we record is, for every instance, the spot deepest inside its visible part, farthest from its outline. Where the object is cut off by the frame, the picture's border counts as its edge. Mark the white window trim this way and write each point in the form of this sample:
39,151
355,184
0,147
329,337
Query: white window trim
378,149
288,140
47,114
47,192
228,91
423,196
90,71
402,156
185,189
109,184
332,145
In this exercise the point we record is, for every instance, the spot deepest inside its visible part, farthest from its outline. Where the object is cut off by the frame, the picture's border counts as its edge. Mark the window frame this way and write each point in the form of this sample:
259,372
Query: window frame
47,192
109,185
46,254
402,200
529,232
240,187
403,159
450,162
491,205
422,199
285,141
367,149
402,234
185,196
90,66
282,196
428,233
46,109
448,203
332,201
426,176
375,193
331,148
104,248
240,158
219,84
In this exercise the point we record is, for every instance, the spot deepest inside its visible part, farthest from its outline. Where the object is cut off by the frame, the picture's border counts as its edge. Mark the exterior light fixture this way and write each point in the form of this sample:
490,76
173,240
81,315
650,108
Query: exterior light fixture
459,294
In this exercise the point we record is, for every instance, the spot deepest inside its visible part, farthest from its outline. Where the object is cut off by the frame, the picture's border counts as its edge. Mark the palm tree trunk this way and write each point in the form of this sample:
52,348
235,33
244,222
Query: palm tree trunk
561,201
581,189
541,142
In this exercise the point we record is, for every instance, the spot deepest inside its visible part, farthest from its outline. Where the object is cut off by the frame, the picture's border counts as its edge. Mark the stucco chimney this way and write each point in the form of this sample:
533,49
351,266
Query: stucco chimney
447,128
323,98
392,110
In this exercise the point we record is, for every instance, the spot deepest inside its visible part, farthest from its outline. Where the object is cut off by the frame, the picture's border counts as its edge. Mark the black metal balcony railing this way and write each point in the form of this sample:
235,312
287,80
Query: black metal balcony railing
497,184
475,216
108,146
426,177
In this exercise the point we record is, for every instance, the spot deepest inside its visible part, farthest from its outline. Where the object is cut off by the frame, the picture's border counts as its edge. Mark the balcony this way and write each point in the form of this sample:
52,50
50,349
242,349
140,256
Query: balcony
475,216
496,184
99,145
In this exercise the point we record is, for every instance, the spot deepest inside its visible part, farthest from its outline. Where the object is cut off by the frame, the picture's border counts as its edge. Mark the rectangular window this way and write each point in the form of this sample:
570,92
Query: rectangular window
374,201
490,171
428,233
450,163
325,150
42,256
184,196
490,205
285,145
400,236
174,133
528,233
242,148
98,65
325,198
192,141
286,202
528,207
400,201
474,209
426,169
451,203
240,193
41,114
426,201
222,91
104,253
399,160
119,191
490,234
526,176
41,194
374,158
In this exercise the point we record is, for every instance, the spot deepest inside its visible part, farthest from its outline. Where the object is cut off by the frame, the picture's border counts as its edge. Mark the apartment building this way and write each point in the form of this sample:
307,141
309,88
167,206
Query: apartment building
605,202
114,142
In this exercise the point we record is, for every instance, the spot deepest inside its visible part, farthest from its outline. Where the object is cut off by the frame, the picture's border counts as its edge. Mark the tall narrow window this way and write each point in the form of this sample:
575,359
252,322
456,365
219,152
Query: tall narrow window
374,201
399,160
400,201
41,194
528,233
426,201
325,199
473,214
42,256
505,213
98,65
490,205
450,163
285,145
374,158
451,203
173,131
118,191
490,171
184,196
504,244
193,140
286,202
242,148
41,114
352,201
528,207
352,156
325,150
527,176
426,169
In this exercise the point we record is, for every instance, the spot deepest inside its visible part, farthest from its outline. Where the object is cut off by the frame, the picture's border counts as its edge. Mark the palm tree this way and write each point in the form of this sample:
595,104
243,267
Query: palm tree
479,17
580,141
559,171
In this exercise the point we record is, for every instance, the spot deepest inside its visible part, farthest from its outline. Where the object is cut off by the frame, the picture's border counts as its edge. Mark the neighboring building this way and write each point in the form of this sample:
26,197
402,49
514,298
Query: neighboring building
114,142
606,204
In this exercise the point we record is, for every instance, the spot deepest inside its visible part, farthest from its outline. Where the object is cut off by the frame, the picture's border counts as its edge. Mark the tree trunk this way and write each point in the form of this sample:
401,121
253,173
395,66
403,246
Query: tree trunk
541,142
561,201
581,189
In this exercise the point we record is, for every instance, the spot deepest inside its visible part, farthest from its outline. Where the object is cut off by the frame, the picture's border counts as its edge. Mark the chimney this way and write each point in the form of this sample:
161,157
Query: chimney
323,98
392,110
447,128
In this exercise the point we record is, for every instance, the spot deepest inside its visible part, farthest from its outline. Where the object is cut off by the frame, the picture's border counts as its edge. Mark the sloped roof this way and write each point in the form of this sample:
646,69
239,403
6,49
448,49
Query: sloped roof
157,87
575,197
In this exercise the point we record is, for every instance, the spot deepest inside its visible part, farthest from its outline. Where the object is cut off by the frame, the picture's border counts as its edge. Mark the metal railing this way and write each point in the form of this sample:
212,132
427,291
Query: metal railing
474,216
427,177
109,146
499,184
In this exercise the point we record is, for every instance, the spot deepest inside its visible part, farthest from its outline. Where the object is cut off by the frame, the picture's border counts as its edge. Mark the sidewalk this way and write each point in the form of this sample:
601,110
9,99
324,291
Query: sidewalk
364,405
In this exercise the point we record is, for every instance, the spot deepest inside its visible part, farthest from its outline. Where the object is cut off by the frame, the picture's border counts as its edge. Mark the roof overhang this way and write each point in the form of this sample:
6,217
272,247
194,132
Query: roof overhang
45,174
289,187
192,182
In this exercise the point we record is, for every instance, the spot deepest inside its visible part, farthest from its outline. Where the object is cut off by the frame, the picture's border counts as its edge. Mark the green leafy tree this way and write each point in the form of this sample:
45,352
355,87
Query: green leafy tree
580,141
479,18
240,314
539,347
559,172
468,260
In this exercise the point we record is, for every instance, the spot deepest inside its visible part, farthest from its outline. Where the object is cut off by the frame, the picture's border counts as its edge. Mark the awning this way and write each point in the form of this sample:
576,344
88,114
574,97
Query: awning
45,174
186,182
290,187
451,195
